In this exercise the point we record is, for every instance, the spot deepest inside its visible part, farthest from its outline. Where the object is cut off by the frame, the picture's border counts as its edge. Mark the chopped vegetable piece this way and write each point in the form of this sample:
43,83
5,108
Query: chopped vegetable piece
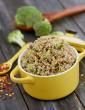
42,28
28,15
16,37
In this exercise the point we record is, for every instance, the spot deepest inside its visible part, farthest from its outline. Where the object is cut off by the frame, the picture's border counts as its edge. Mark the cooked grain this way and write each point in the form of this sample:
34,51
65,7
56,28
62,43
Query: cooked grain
48,55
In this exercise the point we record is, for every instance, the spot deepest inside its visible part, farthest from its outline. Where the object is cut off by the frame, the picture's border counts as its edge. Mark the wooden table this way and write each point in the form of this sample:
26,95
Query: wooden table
20,100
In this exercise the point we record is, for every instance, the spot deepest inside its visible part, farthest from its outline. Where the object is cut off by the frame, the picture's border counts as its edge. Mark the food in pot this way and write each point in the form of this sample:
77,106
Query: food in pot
48,55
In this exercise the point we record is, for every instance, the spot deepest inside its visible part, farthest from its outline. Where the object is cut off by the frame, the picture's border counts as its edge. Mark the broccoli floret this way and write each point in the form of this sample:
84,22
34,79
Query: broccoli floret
28,15
42,28
16,37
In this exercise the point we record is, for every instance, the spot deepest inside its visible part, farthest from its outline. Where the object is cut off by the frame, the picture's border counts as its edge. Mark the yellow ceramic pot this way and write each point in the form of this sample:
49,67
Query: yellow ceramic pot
49,87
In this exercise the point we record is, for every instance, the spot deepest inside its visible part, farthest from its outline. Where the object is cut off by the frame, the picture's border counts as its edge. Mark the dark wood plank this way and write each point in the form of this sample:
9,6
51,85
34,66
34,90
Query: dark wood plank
79,19
71,102
60,25
12,103
15,102
6,51
80,92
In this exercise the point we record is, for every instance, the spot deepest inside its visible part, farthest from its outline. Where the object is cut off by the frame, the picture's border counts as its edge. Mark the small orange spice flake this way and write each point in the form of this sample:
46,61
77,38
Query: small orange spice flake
6,88
4,67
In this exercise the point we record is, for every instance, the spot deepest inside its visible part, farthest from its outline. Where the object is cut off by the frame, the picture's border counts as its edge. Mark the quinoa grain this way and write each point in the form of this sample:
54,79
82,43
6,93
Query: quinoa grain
48,55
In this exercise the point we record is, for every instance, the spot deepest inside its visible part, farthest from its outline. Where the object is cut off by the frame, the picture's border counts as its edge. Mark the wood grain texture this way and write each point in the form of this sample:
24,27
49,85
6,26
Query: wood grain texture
79,19
23,101
70,102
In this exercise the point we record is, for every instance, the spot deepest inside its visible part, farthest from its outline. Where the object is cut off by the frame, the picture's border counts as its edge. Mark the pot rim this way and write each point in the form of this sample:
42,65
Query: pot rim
58,74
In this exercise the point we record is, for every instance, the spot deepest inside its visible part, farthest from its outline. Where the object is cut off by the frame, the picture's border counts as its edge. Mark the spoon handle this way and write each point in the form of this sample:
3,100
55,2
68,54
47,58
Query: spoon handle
18,53
67,12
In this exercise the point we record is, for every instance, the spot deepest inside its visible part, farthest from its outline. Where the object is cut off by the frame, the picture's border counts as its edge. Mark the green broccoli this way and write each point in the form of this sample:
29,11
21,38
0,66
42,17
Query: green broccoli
42,28
28,15
16,37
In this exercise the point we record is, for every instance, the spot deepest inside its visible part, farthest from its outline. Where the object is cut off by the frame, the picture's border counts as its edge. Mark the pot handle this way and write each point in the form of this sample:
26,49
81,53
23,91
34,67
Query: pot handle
82,54
15,71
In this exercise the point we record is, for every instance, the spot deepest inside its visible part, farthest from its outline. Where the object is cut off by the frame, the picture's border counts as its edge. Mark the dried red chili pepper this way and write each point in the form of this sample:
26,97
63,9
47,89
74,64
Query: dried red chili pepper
6,88
4,67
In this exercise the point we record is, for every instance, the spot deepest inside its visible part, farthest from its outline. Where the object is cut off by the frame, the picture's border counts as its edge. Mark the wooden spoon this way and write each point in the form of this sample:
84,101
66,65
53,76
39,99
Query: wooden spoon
57,15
